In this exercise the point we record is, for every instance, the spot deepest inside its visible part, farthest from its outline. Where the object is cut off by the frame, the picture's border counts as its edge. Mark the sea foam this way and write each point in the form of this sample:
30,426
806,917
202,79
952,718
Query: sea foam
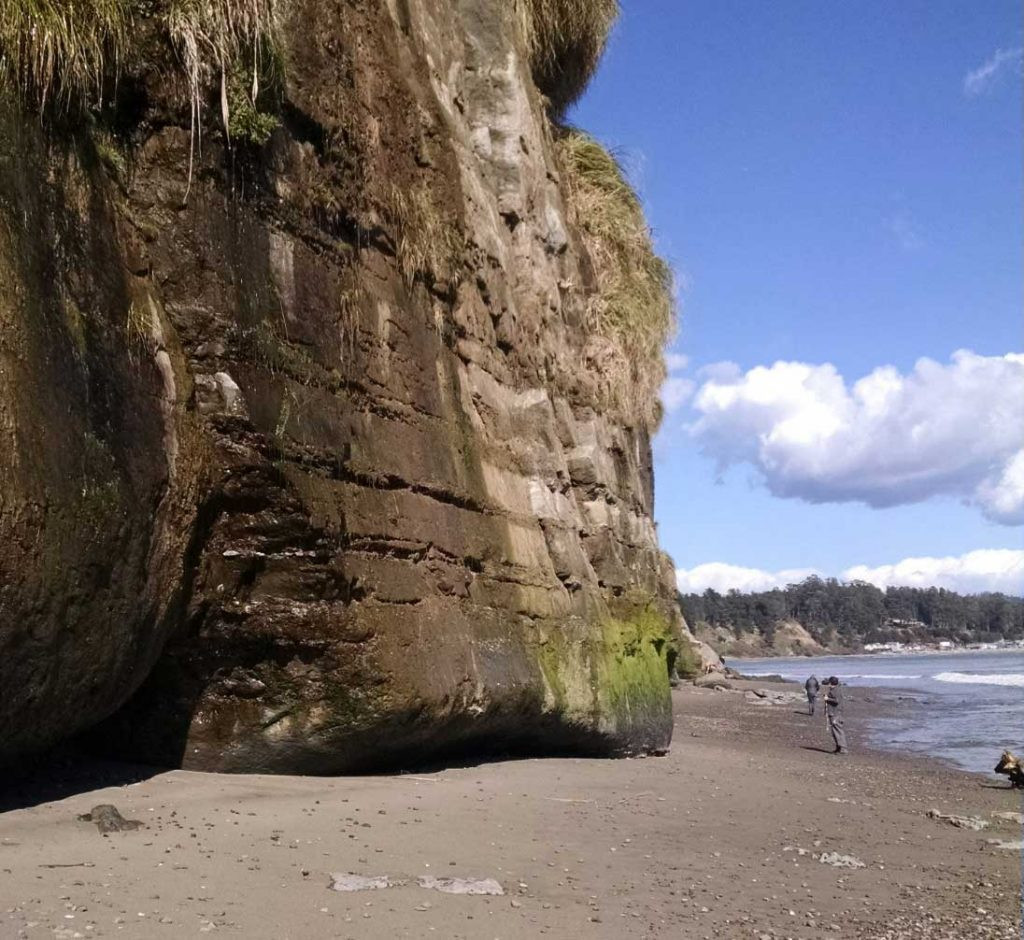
878,675
972,678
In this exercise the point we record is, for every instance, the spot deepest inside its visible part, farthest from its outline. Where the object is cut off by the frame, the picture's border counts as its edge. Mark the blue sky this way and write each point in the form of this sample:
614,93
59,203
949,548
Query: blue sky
835,184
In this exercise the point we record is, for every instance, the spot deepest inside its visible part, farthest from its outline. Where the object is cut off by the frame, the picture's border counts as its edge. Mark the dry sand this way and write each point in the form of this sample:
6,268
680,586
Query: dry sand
721,838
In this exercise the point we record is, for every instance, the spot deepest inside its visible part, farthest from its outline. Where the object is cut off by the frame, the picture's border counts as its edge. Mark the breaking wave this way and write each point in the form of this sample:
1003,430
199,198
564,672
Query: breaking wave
970,678
877,675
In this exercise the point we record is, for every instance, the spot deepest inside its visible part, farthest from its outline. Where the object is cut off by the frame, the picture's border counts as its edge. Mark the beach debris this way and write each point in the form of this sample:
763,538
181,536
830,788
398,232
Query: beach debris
1016,845
461,885
1011,817
109,819
771,697
712,681
836,860
345,881
1011,766
974,823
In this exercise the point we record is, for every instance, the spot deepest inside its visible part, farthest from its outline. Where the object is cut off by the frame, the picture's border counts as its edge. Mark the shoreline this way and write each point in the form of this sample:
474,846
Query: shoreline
720,838
969,708
873,654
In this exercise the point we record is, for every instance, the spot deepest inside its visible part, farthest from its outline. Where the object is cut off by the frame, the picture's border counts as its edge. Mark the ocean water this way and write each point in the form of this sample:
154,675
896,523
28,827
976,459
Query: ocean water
970,702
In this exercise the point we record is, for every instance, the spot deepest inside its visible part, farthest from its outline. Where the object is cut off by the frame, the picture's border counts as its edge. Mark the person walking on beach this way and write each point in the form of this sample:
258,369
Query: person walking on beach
812,686
834,713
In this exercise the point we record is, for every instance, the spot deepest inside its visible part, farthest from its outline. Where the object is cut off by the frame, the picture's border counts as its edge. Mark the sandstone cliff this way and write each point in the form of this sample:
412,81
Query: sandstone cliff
789,638
313,453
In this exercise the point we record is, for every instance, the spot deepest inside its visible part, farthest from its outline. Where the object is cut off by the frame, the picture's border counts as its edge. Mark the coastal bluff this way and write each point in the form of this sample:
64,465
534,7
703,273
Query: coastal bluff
325,437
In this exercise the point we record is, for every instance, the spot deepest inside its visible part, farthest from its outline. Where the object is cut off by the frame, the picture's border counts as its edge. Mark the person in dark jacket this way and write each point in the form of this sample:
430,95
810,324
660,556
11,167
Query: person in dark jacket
834,711
812,686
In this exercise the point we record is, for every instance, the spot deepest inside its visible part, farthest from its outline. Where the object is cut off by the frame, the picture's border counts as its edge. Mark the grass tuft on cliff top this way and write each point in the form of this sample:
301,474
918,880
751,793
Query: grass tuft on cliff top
565,40
62,49
65,51
212,35
633,306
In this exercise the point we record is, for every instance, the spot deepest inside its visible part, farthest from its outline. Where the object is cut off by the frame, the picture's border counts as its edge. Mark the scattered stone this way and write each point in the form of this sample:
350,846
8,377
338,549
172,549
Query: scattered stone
109,819
1011,817
840,861
1014,846
974,823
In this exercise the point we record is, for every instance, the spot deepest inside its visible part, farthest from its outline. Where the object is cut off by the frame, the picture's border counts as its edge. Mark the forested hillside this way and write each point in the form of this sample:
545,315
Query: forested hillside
848,615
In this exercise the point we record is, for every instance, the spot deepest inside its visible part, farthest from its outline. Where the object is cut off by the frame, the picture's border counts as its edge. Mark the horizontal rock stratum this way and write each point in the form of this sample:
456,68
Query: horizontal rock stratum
311,456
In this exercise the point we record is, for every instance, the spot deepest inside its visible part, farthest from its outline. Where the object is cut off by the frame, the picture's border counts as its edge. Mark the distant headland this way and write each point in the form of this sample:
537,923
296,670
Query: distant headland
819,615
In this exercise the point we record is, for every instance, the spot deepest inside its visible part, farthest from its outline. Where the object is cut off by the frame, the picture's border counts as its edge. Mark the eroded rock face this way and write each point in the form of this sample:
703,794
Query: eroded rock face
96,476
361,490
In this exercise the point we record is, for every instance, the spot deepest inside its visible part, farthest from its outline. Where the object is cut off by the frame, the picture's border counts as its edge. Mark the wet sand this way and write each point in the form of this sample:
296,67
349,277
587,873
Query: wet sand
721,838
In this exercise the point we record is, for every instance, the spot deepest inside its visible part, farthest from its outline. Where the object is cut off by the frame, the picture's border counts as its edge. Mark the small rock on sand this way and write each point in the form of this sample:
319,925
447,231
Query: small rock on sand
1015,846
974,823
109,819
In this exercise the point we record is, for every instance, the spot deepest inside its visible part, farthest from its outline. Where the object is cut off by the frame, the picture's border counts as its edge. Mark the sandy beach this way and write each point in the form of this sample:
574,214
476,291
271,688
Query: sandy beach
723,837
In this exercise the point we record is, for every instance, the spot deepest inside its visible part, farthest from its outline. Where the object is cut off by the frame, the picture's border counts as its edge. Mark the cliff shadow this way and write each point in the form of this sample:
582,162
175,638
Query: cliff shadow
66,771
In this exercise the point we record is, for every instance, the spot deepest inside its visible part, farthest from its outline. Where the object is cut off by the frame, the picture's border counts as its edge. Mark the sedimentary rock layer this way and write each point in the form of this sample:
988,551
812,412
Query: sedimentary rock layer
306,445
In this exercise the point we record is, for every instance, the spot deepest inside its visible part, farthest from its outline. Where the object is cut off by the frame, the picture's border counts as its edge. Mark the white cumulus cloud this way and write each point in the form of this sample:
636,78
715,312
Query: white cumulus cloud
943,429
1002,497
676,390
979,80
991,569
994,569
721,577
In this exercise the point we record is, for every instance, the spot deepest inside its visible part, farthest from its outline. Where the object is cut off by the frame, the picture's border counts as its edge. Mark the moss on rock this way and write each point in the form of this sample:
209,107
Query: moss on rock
613,677
631,678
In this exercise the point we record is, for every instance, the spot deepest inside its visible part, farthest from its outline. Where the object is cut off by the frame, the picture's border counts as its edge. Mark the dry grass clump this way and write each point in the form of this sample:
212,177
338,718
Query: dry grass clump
633,306
62,49
213,36
426,242
67,49
565,40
